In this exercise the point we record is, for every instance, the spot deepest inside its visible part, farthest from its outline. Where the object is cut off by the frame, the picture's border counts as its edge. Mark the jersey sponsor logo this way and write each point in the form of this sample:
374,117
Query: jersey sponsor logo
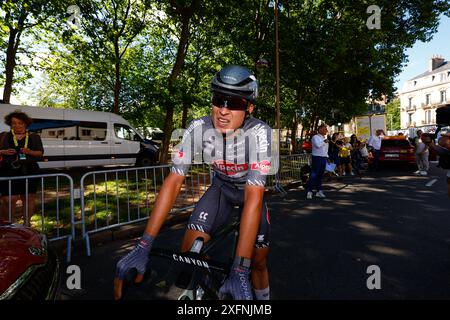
203,216
261,133
230,169
195,227
263,166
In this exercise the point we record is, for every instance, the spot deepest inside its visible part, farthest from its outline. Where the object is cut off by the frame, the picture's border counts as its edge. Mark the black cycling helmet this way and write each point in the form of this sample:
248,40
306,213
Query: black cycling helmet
236,81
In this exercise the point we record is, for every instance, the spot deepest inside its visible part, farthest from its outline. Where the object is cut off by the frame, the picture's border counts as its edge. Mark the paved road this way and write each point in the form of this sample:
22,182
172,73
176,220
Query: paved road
321,248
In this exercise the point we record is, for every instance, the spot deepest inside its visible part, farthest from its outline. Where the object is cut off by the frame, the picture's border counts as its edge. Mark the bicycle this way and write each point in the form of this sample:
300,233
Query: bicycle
201,277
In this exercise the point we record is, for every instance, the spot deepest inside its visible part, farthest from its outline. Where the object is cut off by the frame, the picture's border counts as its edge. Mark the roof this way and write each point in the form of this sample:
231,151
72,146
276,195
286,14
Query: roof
443,67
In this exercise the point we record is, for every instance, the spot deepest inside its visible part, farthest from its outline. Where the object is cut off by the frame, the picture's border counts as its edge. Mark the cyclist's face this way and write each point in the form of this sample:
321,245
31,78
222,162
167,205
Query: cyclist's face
229,117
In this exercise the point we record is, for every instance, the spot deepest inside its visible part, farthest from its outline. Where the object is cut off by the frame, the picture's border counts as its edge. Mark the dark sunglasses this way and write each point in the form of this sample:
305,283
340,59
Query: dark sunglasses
231,103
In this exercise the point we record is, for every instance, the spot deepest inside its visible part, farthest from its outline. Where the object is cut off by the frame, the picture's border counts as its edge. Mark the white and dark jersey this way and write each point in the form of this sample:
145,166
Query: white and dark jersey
242,158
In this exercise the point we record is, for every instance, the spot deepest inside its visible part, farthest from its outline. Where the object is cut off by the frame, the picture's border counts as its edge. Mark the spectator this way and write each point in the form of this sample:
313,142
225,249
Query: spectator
422,154
333,150
416,139
345,157
356,155
20,151
319,161
341,167
375,143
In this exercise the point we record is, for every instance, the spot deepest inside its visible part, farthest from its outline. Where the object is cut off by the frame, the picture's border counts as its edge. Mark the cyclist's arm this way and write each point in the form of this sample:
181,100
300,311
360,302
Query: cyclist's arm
250,220
182,158
164,202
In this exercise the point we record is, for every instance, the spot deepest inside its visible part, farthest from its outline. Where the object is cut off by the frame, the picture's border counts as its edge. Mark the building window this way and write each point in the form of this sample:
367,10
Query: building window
86,132
432,78
442,77
428,99
410,102
410,118
415,82
443,96
428,117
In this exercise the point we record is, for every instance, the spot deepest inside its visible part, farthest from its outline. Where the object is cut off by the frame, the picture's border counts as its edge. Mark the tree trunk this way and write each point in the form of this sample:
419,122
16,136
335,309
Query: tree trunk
186,14
11,51
316,123
117,84
294,135
312,122
184,115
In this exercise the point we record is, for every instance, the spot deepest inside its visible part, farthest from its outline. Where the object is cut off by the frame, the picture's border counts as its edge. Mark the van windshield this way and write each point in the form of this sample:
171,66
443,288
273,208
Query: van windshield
125,132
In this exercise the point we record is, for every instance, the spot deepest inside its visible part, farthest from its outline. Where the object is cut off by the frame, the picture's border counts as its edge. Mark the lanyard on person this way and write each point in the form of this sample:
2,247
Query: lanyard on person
22,155
16,143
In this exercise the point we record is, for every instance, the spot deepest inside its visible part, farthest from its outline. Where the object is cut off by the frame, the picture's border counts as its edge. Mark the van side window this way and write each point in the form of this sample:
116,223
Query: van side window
124,132
69,130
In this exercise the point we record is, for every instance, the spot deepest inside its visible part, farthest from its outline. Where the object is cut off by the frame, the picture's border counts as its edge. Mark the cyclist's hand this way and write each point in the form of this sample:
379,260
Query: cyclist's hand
237,285
138,259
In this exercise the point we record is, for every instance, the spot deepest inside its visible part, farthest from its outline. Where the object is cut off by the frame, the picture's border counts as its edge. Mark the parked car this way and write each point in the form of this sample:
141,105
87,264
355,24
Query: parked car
28,269
396,149
80,138
307,144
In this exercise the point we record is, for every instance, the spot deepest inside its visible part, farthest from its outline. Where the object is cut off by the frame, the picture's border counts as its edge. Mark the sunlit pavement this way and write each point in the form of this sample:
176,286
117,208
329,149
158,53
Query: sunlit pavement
321,248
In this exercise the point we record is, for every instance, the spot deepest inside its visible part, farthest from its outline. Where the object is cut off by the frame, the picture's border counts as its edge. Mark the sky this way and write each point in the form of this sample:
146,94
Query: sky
419,55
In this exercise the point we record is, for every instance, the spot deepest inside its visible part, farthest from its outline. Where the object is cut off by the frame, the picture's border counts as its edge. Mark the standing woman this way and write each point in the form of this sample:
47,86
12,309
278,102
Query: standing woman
20,150
333,151
356,153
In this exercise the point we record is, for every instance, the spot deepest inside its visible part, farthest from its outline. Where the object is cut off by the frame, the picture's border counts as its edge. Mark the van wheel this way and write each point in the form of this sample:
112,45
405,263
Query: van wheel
145,161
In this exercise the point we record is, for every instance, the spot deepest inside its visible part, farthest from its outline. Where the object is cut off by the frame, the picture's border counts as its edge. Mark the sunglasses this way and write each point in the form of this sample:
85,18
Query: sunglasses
231,103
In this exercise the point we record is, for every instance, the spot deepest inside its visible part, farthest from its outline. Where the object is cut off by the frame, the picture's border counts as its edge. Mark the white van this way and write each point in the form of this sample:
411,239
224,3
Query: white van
74,138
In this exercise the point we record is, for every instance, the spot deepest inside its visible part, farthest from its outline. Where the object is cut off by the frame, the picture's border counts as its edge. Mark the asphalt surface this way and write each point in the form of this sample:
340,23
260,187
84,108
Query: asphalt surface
321,248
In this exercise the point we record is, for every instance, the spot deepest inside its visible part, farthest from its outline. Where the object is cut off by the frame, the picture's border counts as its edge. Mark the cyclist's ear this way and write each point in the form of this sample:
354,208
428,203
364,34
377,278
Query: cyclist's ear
250,108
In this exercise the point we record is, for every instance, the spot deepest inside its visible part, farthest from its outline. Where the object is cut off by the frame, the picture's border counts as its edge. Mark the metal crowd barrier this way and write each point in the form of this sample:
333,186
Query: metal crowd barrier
289,171
52,224
114,198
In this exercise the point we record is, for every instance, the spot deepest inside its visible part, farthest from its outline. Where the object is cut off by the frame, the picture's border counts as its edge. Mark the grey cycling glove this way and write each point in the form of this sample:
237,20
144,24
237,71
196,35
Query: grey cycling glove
238,282
137,258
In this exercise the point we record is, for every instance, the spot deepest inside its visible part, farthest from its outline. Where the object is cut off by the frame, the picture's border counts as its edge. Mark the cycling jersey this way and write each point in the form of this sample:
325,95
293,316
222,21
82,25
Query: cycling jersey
241,158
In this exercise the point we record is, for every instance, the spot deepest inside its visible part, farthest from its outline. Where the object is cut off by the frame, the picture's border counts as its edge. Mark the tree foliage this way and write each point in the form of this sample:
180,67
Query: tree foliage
152,61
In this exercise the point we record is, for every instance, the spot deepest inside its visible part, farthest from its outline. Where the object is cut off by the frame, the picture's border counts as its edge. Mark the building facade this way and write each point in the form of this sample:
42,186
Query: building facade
423,94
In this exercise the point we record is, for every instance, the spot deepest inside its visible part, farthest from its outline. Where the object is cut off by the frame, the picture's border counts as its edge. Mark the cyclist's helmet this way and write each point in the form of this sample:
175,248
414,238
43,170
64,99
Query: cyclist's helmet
236,81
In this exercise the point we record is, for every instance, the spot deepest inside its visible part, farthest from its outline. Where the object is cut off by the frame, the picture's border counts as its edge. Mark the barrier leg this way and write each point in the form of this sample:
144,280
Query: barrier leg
88,245
69,249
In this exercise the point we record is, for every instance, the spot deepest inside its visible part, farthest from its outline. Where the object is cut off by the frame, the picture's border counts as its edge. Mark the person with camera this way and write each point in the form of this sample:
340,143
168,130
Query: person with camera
19,151
320,145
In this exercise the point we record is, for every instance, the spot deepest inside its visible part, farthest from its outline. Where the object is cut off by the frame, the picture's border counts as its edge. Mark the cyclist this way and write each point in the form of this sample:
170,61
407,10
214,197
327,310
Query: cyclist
238,148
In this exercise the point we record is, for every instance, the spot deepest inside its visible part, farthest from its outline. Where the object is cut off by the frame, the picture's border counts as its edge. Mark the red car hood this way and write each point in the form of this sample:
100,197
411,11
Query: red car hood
15,255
